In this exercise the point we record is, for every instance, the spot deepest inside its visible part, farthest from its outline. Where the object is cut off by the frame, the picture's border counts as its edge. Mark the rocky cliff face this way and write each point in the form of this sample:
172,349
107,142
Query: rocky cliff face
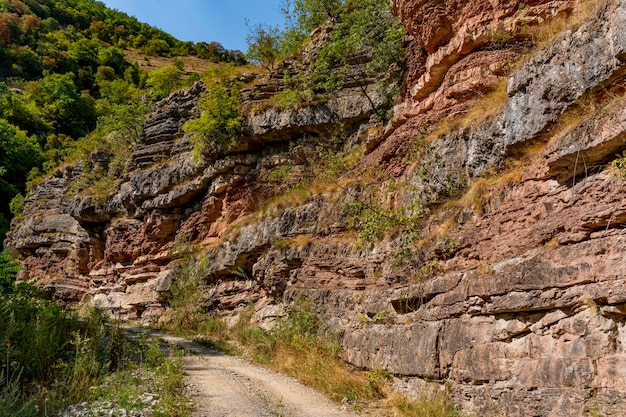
510,286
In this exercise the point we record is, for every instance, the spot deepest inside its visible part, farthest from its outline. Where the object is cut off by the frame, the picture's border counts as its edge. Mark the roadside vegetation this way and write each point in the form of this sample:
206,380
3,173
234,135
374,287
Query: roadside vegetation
52,357
300,344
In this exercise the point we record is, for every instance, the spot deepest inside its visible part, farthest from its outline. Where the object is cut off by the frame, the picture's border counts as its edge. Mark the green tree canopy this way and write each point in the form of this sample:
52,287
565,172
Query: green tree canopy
19,153
164,80
70,112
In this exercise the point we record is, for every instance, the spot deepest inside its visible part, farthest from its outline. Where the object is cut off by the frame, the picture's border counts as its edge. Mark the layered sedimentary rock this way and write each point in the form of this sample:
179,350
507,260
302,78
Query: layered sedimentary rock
512,293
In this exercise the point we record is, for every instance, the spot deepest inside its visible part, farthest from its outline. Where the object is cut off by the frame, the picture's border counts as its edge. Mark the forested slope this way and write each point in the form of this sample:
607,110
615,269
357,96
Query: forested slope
64,71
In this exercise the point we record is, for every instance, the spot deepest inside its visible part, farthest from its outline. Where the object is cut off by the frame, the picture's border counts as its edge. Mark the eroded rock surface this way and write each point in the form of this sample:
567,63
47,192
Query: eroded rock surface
512,289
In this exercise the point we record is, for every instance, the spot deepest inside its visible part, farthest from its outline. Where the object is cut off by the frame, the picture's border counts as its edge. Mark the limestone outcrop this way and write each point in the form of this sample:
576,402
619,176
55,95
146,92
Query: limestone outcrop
508,283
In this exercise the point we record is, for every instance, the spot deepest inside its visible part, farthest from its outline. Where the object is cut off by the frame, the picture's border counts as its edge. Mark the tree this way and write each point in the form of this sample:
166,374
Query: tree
69,111
114,58
21,111
19,153
306,15
366,31
27,63
5,34
157,47
164,80
263,45
121,112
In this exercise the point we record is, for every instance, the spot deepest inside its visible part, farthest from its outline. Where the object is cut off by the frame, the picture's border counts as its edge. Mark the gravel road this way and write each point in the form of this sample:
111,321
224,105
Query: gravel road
226,386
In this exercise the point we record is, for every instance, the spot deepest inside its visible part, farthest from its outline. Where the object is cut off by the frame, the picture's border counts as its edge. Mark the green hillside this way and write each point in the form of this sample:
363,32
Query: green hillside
63,67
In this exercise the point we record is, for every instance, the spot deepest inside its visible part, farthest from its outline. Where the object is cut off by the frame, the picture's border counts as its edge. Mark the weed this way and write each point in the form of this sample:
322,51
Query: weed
241,273
428,270
374,222
430,166
187,297
281,243
552,243
447,247
278,175
380,315
485,269
501,37
619,166
102,188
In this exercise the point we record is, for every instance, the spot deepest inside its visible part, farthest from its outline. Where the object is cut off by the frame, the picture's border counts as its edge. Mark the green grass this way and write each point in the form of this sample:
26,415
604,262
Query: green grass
51,358
153,371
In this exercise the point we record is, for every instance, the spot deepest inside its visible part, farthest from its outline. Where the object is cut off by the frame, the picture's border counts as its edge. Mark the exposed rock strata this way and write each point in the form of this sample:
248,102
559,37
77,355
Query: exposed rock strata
116,251
514,296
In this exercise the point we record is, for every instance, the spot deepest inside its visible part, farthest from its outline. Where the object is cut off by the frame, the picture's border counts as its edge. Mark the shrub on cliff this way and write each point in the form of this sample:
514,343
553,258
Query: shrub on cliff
263,45
164,80
366,32
8,272
619,166
365,44
220,121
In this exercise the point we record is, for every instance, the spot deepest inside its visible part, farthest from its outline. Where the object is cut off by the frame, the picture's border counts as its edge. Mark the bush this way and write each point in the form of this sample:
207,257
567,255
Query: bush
17,205
52,357
164,80
220,122
186,297
8,272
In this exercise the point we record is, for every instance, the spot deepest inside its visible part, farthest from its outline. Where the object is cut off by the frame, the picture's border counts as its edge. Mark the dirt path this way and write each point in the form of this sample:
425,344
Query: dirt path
226,386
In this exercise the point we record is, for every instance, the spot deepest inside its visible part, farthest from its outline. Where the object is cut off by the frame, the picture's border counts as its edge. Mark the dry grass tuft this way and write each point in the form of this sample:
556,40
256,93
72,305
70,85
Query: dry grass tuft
544,33
436,404
302,241
484,106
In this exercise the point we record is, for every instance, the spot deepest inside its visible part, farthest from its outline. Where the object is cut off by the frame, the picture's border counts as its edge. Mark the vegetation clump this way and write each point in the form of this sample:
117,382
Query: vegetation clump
364,45
619,165
53,357
220,121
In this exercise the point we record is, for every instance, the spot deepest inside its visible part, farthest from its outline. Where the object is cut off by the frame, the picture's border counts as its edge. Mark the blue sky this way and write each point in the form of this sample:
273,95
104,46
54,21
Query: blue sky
203,20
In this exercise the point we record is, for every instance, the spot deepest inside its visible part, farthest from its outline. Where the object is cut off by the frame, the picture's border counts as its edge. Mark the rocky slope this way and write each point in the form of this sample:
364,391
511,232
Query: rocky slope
506,285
